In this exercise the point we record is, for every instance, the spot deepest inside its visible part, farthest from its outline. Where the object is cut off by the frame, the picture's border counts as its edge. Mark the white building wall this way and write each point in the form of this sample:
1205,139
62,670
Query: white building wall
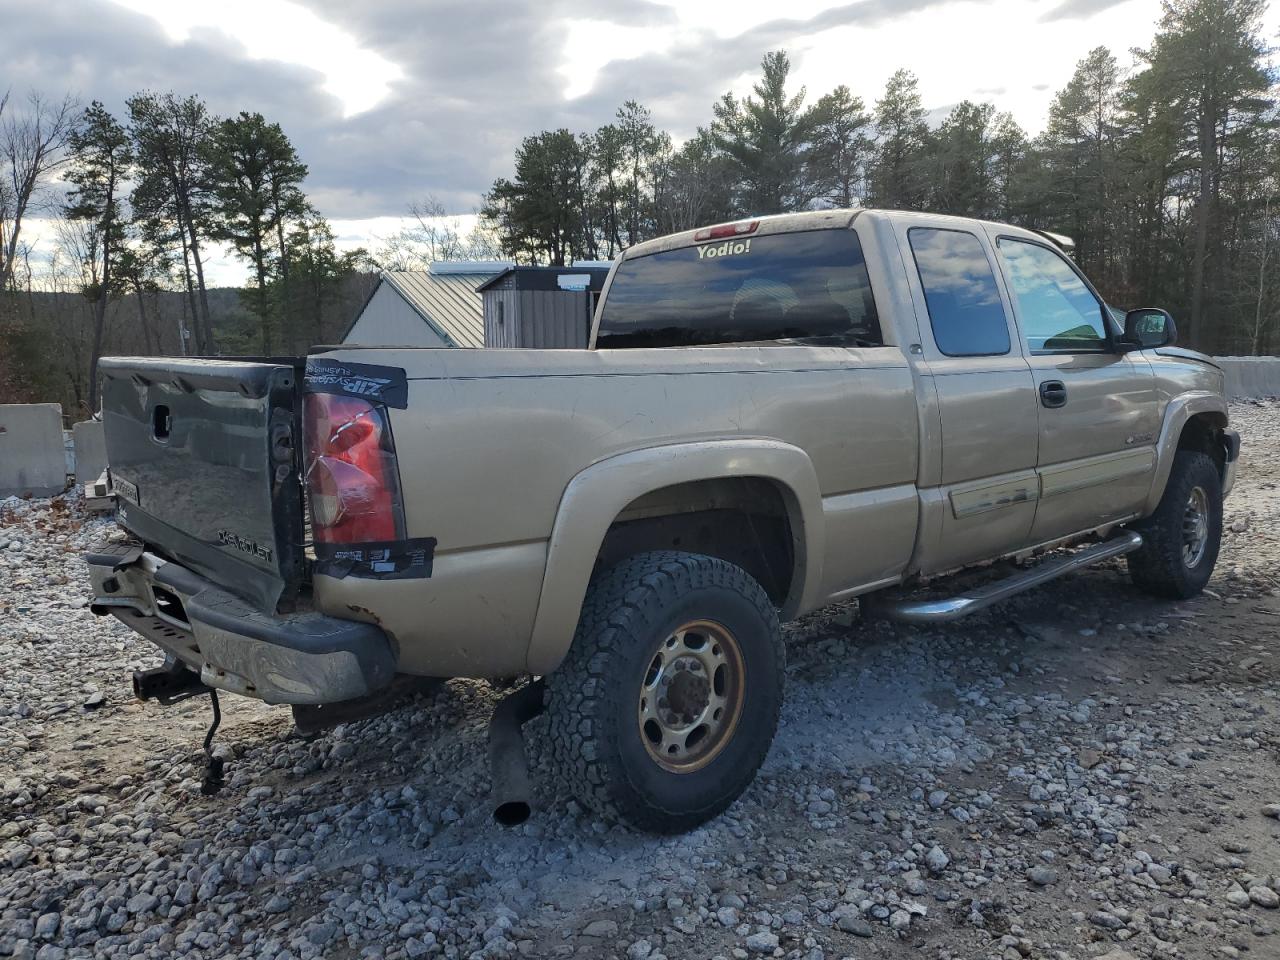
387,321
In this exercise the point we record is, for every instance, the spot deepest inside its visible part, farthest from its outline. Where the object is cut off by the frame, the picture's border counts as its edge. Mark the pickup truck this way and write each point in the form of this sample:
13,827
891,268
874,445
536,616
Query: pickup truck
773,415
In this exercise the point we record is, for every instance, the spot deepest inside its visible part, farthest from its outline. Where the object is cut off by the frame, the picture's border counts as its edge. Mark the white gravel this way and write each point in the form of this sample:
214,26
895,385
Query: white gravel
1082,772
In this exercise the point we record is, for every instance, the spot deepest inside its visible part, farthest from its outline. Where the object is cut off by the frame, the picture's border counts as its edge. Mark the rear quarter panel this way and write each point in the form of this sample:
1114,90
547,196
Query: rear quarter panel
491,439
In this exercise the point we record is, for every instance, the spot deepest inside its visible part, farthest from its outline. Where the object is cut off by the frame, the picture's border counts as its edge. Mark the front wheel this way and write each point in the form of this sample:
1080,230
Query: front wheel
668,700
1181,539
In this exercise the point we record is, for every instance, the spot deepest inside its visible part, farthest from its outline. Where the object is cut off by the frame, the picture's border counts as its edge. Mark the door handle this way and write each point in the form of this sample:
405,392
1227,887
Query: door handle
1053,393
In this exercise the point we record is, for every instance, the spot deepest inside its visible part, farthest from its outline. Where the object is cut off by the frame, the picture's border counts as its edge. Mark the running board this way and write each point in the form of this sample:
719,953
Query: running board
953,608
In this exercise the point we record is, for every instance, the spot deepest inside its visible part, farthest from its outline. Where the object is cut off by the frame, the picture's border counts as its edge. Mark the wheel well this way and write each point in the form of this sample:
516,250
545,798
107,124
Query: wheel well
743,520
1203,433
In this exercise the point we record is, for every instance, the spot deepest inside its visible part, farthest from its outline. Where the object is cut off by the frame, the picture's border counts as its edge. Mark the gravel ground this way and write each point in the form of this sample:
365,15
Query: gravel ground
1081,772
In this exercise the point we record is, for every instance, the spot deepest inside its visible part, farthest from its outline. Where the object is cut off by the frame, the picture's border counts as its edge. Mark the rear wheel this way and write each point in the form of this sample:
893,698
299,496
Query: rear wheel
1181,539
668,700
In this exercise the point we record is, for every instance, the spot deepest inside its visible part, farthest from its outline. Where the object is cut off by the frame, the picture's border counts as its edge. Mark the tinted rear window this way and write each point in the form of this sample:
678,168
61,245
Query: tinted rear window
809,286
960,291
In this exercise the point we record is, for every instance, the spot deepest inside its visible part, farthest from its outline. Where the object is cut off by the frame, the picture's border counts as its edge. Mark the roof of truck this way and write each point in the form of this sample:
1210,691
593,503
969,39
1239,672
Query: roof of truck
813,220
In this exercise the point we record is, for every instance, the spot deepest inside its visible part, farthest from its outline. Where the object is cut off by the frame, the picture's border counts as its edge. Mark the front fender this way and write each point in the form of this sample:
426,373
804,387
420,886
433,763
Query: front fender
595,497
1180,409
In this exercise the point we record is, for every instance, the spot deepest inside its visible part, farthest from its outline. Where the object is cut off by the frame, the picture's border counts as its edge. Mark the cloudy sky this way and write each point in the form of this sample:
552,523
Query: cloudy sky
388,100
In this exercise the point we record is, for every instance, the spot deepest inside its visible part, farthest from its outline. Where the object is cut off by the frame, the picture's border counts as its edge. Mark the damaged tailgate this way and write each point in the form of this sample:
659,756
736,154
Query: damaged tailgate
203,458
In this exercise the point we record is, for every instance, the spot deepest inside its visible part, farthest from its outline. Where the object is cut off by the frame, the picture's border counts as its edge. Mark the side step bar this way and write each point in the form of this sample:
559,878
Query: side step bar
953,608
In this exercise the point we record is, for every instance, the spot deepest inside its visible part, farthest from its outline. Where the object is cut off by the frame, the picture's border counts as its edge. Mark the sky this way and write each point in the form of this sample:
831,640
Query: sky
388,101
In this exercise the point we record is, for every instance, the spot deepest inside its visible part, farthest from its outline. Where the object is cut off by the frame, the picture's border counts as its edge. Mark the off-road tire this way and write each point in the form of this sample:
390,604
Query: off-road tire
594,694
1158,567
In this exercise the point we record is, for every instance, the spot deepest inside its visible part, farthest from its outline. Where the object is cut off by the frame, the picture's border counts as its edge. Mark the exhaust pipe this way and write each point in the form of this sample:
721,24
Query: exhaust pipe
508,764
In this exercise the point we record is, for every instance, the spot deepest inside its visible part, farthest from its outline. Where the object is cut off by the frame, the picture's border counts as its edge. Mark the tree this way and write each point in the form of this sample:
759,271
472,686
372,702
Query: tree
31,149
1079,151
841,148
540,213
642,144
1210,58
171,193
142,268
101,156
608,149
254,188
766,138
695,186
897,179
964,161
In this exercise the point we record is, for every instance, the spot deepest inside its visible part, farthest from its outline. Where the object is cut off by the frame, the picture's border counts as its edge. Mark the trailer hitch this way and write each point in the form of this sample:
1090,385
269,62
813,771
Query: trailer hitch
172,683
212,781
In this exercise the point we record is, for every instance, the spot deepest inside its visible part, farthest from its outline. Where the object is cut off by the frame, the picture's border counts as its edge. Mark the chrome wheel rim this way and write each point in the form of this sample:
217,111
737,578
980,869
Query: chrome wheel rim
1195,527
691,696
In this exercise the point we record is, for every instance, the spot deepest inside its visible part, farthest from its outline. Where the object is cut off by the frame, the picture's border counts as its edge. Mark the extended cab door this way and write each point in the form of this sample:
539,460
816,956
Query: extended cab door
978,492
1097,406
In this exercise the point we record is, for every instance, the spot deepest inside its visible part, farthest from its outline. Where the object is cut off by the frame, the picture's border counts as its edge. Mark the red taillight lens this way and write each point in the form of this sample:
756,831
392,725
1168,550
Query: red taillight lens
726,230
352,480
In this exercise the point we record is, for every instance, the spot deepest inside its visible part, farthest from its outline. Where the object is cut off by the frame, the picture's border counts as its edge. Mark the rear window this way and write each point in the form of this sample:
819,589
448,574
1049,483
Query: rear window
960,291
810,286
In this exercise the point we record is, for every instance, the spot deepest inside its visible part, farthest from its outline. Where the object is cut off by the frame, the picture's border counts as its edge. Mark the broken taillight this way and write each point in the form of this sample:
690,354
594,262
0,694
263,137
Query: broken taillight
352,479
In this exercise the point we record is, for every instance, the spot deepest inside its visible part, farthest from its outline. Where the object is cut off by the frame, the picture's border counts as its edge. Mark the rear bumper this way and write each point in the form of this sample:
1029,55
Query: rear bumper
303,658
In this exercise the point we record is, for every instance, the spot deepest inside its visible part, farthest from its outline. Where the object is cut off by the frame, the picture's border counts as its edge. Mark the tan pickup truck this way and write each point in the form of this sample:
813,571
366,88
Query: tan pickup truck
774,415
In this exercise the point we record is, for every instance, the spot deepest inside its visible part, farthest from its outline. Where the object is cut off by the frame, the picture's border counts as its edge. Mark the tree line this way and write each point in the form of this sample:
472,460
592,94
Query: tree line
146,196
1165,174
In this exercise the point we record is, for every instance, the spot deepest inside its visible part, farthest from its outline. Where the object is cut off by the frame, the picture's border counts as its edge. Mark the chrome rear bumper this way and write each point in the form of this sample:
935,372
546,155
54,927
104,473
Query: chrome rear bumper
300,658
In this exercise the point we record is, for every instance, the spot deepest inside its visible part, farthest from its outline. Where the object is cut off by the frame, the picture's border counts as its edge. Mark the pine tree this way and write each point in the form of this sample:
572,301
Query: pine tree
841,149
1215,83
170,193
255,176
101,157
765,139
897,173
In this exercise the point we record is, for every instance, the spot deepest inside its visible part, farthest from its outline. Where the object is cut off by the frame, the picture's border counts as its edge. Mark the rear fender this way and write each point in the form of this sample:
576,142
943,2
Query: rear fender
594,498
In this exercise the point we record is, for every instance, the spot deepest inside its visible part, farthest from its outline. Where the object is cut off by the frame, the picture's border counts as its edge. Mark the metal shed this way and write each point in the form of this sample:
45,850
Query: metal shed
440,307
547,307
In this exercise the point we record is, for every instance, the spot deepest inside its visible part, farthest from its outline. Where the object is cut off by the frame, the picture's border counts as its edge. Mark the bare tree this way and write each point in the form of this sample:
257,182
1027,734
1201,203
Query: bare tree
31,147
435,235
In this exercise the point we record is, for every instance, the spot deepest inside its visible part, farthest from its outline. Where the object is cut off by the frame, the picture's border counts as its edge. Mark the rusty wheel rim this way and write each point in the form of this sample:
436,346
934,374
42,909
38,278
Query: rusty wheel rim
691,696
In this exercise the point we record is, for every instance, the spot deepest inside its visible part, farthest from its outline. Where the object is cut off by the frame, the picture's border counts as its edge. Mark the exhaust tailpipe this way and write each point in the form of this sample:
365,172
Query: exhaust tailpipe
508,765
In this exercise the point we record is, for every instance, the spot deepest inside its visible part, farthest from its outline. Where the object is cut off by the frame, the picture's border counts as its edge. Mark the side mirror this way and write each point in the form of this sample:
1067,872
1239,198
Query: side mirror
1147,328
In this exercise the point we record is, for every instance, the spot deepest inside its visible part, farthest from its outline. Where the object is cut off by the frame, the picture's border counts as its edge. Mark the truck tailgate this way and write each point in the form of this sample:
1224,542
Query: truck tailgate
202,456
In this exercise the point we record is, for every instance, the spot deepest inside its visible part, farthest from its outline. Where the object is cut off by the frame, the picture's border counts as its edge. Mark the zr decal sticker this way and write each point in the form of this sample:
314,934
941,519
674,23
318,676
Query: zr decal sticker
372,382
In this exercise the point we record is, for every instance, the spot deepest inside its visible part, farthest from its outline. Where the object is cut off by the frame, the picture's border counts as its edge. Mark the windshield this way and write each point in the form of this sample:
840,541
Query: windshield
809,286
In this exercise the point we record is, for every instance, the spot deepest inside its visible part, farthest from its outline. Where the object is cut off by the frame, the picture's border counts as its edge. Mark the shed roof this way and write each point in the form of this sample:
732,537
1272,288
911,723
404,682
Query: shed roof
546,278
449,303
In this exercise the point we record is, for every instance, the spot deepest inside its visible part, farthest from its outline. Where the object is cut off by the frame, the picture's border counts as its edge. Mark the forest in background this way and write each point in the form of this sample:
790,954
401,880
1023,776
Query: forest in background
1165,173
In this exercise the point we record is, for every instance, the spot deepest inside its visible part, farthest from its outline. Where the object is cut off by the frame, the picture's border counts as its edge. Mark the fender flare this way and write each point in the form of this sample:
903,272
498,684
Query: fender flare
1180,410
595,496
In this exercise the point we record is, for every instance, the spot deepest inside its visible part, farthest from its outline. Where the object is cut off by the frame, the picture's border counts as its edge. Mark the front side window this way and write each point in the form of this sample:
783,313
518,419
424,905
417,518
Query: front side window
810,286
1055,307
960,291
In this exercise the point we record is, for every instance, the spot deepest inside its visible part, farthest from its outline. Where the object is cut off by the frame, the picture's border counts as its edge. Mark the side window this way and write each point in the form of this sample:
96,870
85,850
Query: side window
960,290
1057,311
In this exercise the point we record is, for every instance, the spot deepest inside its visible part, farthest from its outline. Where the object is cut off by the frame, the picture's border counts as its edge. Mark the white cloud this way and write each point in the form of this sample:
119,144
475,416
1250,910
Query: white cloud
287,32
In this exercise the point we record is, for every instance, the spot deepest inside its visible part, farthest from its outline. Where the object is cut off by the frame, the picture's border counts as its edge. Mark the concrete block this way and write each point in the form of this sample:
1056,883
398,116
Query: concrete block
32,459
91,450
1249,377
